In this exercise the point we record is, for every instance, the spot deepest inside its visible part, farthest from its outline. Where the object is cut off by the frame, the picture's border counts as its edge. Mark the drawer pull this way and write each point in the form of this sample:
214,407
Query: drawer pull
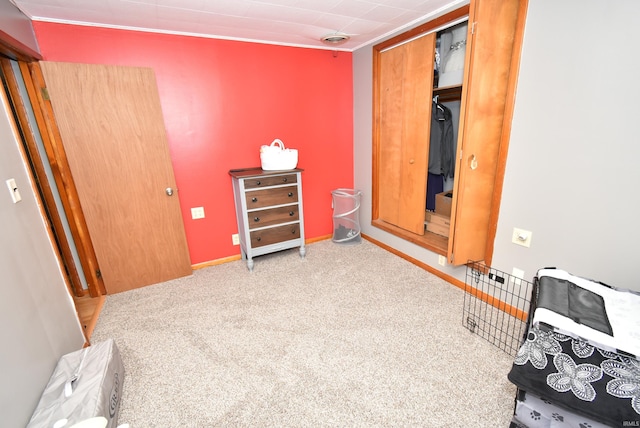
291,213
290,194
284,180
256,219
258,183
258,239
293,231
254,199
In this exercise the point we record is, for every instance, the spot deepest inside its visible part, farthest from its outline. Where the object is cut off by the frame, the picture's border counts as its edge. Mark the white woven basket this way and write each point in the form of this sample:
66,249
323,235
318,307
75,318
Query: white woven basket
275,157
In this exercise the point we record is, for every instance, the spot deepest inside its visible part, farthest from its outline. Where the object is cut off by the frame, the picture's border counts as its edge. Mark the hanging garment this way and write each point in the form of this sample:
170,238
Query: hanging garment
435,185
441,163
441,157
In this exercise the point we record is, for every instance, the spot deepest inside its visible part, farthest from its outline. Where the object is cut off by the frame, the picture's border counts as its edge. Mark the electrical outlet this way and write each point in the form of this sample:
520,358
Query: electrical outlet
197,212
517,275
521,237
442,260
235,239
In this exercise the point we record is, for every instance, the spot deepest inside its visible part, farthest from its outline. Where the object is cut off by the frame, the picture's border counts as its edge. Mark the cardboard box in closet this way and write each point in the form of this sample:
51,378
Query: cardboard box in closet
443,203
437,223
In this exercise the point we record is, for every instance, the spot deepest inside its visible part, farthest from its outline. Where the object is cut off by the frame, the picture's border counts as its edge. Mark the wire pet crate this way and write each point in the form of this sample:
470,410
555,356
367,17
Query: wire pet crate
496,305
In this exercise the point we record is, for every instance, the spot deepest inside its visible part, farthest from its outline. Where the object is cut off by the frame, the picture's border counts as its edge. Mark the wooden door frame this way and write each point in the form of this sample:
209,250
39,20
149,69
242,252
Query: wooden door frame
63,178
27,61
12,48
42,184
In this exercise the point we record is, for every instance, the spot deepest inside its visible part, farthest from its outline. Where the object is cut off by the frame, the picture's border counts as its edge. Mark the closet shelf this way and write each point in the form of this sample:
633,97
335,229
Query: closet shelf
448,93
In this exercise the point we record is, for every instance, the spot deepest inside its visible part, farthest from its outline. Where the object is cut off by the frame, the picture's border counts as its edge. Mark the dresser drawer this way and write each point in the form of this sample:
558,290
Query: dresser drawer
274,235
269,197
273,216
252,183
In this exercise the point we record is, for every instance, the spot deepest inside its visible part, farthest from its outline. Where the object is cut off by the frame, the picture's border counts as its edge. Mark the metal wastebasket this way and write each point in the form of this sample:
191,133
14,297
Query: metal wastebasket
346,221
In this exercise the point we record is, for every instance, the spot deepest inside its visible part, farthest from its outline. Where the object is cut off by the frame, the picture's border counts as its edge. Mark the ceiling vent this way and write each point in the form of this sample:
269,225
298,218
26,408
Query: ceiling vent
334,38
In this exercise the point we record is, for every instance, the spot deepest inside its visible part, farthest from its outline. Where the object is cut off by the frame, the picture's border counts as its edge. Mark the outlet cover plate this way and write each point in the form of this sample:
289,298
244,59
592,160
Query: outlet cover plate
517,275
197,212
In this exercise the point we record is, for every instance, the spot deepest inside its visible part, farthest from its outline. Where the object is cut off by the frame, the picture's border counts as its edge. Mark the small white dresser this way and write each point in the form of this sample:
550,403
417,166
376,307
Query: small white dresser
268,210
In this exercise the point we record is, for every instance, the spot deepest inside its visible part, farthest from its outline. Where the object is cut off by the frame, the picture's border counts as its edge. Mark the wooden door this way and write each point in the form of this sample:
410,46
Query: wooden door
406,82
113,133
492,31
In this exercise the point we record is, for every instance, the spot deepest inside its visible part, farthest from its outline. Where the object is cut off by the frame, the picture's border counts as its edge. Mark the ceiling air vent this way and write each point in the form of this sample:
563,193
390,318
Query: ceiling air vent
334,38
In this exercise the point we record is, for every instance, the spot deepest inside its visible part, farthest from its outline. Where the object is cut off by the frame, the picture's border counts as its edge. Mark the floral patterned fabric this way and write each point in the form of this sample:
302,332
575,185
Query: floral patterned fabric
579,376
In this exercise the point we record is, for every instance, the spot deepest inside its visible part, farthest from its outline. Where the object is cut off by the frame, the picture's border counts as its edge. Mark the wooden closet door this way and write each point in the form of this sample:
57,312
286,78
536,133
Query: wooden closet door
492,30
406,82
112,130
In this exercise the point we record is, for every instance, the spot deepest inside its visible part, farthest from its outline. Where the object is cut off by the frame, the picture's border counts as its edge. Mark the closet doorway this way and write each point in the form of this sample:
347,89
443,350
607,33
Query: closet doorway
487,47
407,98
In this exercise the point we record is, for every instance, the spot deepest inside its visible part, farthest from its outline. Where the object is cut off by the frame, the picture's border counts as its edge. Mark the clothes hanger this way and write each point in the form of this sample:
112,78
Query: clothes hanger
438,105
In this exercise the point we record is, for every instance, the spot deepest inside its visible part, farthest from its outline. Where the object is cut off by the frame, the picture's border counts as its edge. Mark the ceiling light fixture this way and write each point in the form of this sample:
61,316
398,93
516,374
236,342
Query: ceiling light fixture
334,38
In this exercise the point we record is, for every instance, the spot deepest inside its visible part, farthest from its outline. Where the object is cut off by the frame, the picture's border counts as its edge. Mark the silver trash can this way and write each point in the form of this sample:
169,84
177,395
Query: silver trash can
346,211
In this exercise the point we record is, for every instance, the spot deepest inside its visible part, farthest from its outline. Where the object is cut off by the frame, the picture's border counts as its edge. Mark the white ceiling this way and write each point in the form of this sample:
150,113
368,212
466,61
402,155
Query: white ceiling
286,22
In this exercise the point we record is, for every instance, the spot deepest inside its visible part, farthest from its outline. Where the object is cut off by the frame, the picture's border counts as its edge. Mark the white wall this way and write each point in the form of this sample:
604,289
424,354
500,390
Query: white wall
38,322
573,160
572,168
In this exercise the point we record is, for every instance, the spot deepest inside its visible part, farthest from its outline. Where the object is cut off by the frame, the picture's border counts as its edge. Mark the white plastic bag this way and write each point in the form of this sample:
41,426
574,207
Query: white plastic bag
85,384
275,157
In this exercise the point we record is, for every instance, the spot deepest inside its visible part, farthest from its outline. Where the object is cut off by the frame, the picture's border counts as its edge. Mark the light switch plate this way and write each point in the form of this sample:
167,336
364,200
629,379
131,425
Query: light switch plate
521,237
13,190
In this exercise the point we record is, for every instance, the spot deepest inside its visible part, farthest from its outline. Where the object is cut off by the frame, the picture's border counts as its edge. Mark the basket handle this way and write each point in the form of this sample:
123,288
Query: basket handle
279,143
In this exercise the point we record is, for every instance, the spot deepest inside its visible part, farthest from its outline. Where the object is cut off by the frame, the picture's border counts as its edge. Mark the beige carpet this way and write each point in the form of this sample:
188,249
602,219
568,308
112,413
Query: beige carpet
350,336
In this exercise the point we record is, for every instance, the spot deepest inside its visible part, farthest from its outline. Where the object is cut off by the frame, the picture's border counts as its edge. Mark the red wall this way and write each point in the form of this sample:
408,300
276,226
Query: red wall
221,101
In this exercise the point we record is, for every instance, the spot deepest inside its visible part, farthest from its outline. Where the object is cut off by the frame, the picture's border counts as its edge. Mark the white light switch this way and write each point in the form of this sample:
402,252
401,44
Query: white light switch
521,237
13,190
